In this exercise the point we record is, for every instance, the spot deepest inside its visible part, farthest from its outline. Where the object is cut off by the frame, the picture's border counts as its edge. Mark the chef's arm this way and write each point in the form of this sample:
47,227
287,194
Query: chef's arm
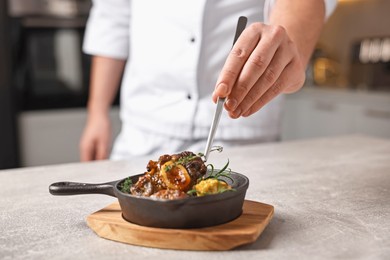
106,75
303,21
270,58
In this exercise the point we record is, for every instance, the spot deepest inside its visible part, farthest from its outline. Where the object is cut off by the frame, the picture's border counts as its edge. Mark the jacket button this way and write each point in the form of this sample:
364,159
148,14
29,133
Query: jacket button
192,39
189,96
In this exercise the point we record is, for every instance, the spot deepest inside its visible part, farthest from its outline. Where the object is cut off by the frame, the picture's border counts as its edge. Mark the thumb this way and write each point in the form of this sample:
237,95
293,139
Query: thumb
221,90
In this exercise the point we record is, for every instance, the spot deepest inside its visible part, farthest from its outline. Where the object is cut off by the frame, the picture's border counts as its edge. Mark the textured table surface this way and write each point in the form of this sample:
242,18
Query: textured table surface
331,198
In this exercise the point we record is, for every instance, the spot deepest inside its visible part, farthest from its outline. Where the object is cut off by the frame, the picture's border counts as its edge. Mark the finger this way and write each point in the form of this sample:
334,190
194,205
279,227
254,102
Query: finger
276,89
236,60
102,150
86,151
257,64
271,93
281,59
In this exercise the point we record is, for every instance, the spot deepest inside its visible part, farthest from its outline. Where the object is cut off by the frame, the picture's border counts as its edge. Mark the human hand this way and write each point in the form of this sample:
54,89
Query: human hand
263,63
96,139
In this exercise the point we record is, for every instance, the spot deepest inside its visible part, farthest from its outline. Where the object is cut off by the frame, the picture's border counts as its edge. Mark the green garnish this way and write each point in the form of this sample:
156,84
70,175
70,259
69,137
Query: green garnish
182,161
185,159
191,192
168,167
126,185
220,176
224,172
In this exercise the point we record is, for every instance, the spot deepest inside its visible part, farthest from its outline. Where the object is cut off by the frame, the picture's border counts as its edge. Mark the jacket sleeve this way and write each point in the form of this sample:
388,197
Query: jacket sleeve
107,30
330,5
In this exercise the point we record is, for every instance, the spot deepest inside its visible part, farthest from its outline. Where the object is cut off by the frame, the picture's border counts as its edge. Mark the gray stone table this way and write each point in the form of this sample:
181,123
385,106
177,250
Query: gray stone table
331,198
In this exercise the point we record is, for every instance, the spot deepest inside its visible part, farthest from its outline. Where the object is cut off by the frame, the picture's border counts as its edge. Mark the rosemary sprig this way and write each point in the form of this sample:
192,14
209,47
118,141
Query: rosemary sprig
220,176
191,192
211,168
224,172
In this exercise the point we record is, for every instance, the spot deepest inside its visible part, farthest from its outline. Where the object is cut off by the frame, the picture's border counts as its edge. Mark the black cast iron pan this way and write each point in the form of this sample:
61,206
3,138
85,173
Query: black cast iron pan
191,212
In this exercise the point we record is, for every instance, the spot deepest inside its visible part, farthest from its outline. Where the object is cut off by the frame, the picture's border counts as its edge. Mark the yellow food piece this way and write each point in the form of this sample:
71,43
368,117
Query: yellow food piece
211,186
175,176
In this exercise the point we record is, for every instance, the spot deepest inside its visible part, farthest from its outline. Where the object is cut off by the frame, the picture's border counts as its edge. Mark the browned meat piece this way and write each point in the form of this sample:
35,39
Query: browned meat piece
196,169
178,156
171,172
169,194
163,159
152,166
143,187
193,164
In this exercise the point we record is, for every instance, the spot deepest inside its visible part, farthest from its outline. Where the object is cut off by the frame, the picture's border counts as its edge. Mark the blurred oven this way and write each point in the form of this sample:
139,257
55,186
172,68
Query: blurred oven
49,71
44,79
8,128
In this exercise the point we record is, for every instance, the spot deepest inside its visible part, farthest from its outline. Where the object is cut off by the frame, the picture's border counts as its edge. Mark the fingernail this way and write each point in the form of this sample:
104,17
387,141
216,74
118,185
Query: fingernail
237,113
222,88
231,103
246,114
214,96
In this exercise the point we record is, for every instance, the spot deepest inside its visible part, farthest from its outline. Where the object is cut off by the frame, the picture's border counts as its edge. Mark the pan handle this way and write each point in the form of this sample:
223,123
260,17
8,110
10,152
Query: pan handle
77,188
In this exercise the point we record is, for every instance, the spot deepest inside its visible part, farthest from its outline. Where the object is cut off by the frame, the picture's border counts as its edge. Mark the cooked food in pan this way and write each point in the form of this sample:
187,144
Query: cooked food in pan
179,176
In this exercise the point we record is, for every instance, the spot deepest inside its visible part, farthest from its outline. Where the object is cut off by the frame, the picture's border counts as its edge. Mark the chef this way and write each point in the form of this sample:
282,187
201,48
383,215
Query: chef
173,58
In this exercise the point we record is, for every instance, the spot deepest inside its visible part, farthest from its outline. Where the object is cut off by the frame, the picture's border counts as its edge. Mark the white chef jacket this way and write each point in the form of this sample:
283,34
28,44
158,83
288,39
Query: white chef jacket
175,51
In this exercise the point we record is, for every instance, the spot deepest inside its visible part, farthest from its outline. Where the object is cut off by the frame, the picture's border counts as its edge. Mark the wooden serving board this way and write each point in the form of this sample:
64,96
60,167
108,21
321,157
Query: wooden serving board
108,223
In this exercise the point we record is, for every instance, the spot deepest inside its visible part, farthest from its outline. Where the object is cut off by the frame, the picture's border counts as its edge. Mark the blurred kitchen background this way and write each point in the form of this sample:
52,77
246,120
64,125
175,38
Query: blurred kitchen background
44,79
